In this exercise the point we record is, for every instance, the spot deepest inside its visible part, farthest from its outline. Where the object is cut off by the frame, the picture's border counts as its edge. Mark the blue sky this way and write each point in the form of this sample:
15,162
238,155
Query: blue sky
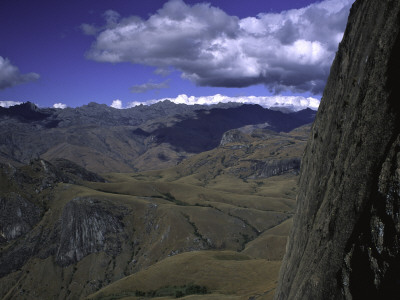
75,52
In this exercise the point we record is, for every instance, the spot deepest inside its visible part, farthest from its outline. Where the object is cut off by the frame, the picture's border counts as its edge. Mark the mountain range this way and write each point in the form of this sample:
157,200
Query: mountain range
219,202
67,232
105,139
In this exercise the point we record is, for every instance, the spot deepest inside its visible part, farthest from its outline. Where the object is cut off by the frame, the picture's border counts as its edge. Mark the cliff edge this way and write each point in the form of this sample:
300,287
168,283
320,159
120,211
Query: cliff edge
345,241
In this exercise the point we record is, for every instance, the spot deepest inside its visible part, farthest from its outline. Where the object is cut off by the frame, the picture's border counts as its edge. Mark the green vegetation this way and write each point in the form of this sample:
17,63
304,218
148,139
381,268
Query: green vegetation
230,256
171,291
169,197
177,291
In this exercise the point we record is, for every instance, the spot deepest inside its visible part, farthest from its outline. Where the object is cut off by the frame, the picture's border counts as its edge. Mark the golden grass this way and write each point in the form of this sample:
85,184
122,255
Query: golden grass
223,273
271,244
207,201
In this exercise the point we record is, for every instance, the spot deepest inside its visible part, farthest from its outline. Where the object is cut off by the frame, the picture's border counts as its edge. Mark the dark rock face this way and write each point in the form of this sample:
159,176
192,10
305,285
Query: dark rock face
88,227
273,167
23,197
17,216
26,112
345,241
41,174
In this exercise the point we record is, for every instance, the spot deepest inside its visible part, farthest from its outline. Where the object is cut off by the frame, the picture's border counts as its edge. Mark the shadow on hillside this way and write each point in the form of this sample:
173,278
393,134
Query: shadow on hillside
204,132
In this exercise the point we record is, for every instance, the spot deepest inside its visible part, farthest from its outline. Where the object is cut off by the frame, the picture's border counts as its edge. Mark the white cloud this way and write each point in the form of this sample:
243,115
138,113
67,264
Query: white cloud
111,16
149,86
9,103
291,50
89,29
163,71
295,103
59,105
117,104
11,76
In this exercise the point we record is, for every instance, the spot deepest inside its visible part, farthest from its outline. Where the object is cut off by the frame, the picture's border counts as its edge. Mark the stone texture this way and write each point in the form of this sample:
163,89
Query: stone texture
273,167
345,241
88,226
17,216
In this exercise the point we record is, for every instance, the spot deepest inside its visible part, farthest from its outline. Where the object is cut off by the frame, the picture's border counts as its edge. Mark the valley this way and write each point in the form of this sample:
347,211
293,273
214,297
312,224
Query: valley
215,224
220,201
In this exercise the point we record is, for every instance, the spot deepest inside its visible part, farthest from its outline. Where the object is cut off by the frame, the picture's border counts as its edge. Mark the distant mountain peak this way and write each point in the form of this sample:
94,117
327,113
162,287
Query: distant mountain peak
104,139
26,111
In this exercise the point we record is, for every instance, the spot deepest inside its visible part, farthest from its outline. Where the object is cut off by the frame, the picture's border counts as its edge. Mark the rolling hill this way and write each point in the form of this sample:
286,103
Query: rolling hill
67,232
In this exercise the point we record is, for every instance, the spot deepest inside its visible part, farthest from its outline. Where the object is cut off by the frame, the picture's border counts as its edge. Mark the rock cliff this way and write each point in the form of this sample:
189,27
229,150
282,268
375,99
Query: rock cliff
17,216
345,241
88,226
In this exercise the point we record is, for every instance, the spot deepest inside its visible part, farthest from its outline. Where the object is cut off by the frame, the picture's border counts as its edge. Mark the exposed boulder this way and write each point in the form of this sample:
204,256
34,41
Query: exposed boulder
345,241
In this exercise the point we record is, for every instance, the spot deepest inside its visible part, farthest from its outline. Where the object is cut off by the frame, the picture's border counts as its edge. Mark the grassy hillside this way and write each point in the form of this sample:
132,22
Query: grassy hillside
216,224
223,273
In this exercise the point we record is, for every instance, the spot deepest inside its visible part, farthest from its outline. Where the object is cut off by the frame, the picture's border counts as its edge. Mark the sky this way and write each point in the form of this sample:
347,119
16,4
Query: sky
126,52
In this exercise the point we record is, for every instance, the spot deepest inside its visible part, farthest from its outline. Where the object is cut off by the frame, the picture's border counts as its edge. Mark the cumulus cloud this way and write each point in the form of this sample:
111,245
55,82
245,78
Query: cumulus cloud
59,105
149,86
9,103
291,50
117,104
11,76
295,103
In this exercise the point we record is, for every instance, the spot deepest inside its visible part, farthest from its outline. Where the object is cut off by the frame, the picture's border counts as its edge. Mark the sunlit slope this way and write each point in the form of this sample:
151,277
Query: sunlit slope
207,222
224,273
207,181
158,220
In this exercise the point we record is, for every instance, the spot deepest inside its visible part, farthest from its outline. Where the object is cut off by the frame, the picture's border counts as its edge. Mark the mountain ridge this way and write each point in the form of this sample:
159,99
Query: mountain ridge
105,139
67,233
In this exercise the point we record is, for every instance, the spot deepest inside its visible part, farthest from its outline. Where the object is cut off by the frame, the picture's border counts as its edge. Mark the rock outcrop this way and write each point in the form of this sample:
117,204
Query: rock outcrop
88,226
23,203
272,167
17,216
345,241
